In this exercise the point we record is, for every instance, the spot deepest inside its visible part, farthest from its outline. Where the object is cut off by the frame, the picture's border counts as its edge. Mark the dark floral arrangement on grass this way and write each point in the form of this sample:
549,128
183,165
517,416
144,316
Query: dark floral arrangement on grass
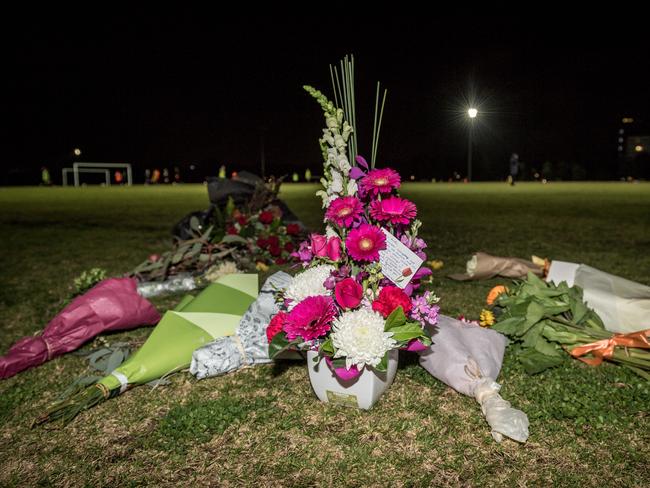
342,303
238,239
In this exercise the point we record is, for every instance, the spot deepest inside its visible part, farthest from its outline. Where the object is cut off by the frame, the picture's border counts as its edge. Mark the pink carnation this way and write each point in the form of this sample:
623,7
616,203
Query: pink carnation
395,210
365,242
344,211
379,181
310,319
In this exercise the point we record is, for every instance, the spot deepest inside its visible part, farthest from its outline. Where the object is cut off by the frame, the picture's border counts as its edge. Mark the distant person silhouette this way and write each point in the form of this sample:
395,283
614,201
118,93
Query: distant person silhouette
155,178
118,177
514,168
45,176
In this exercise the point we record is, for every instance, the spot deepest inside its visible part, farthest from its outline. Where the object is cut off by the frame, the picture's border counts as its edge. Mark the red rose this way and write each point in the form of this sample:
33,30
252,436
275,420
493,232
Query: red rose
232,230
348,293
263,243
273,241
391,297
293,229
242,220
275,250
280,261
266,217
289,247
275,325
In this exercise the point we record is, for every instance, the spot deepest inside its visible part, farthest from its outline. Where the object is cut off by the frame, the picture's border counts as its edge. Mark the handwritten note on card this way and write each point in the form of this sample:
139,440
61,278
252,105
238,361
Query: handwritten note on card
398,262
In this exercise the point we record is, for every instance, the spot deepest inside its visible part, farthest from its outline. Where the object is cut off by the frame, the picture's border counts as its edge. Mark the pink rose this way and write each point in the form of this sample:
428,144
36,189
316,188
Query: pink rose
348,293
334,249
319,245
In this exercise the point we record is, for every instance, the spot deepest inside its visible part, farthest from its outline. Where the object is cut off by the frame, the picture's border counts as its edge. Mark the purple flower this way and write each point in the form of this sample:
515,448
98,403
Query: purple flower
423,310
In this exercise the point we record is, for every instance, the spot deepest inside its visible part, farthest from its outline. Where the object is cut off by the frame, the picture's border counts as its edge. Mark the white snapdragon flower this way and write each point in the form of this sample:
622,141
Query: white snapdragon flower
352,187
359,336
339,143
309,283
331,122
347,131
327,137
329,232
327,199
336,185
343,164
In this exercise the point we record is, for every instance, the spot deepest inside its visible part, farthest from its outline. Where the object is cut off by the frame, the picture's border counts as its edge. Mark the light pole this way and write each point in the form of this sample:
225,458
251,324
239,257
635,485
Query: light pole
472,112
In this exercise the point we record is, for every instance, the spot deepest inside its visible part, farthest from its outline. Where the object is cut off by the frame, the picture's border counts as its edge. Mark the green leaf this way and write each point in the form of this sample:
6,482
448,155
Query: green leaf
338,363
383,364
230,207
548,349
327,347
530,338
233,239
406,332
114,361
195,225
534,313
510,326
578,310
395,319
279,344
535,362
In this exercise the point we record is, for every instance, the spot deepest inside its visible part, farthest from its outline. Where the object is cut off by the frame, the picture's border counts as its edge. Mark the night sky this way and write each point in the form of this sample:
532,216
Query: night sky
164,90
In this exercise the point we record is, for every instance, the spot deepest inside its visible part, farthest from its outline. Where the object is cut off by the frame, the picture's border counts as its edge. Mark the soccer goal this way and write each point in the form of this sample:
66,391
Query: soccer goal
77,167
66,171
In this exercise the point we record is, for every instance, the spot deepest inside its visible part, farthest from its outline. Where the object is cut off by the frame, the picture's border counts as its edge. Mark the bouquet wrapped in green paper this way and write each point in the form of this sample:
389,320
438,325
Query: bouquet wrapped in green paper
214,313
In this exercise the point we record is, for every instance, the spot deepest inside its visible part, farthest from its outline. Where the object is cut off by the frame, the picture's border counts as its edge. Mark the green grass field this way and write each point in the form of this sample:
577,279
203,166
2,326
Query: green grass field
263,426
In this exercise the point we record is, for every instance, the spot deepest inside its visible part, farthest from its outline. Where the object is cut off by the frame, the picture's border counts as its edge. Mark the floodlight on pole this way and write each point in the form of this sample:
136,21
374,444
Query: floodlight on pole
77,151
472,113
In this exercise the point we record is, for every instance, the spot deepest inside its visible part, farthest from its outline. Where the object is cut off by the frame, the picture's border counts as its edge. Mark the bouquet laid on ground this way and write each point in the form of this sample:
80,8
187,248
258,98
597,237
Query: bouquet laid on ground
195,321
357,296
547,321
111,305
247,238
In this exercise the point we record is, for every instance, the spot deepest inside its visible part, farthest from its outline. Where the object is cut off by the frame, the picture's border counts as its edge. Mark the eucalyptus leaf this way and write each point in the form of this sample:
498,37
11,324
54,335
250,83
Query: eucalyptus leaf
233,239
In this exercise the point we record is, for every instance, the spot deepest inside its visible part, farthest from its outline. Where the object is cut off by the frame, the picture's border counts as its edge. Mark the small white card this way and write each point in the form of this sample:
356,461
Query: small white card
398,262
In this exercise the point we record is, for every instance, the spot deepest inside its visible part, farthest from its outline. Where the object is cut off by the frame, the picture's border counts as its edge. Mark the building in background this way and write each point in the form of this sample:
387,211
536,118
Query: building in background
633,148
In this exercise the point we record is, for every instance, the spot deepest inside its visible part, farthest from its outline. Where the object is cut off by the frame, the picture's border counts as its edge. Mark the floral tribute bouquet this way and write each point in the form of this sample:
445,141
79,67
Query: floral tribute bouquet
349,302
237,239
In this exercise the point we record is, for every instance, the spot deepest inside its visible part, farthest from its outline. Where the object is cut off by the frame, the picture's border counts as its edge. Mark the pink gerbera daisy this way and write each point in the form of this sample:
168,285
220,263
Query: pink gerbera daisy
379,181
395,210
310,319
365,242
344,211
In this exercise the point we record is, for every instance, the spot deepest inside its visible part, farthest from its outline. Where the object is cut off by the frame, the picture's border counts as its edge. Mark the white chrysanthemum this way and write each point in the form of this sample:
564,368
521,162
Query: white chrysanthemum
359,337
309,283
219,270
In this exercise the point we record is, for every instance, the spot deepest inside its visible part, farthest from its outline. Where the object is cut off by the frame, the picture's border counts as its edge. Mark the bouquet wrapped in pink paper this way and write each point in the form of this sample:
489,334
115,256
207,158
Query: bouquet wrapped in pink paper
113,304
